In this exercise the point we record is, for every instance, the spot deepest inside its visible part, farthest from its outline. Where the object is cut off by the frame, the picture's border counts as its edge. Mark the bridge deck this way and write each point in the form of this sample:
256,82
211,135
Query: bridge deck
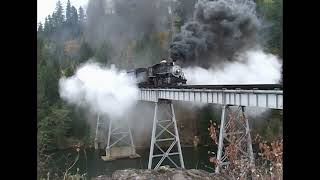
263,95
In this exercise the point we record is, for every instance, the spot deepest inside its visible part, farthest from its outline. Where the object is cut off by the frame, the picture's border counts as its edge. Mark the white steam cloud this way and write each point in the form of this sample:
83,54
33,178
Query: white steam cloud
252,67
105,90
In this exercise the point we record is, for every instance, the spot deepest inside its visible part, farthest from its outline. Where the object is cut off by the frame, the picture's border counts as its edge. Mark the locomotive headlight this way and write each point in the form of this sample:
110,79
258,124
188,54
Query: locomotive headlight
176,70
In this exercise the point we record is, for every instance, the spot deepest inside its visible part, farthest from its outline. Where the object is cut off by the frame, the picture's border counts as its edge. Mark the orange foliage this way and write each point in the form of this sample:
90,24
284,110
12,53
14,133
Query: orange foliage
267,166
71,46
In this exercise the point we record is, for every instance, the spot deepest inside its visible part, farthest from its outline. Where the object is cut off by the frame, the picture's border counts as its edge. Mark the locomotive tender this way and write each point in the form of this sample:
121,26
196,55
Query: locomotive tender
161,74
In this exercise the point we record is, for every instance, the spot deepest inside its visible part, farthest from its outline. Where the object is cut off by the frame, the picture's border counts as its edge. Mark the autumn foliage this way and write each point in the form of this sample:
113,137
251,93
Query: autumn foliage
268,164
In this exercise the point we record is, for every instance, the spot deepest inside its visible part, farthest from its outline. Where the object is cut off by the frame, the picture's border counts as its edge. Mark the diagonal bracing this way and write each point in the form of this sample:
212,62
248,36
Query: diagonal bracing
165,142
235,134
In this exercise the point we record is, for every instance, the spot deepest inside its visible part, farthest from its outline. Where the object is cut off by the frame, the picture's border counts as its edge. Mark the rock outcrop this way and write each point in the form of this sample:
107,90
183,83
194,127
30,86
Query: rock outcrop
163,173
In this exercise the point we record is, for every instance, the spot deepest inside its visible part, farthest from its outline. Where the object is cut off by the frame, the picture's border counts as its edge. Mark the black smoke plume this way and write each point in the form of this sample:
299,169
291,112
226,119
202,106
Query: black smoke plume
220,29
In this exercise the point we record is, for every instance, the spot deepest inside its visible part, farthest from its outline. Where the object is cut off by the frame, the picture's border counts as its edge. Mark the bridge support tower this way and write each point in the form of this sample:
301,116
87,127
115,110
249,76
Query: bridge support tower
165,134
234,138
98,140
119,140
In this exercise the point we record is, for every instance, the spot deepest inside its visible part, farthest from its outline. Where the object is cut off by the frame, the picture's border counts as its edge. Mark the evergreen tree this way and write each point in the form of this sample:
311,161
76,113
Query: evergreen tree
68,12
81,16
53,116
50,24
271,12
74,16
40,28
54,21
276,36
59,16
82,19
46,25
74,22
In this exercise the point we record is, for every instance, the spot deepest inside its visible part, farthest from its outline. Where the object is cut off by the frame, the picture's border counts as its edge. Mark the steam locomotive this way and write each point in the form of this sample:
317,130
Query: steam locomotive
161,74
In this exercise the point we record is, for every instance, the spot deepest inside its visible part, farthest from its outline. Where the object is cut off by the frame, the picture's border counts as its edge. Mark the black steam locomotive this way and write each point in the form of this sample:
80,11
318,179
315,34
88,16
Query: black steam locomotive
161,74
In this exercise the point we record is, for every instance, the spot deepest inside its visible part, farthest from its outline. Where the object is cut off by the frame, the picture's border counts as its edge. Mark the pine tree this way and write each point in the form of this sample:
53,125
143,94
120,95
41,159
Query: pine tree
74,21
46,25
40,28
68,12
54,21
271,11
81,16
74,16
59,13
50,24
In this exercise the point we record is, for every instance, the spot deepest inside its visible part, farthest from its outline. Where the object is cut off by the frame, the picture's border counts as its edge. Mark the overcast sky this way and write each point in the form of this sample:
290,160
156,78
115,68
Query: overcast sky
46,7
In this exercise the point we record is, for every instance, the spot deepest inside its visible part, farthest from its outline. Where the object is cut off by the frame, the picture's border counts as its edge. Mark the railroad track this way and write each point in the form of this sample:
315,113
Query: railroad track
229,86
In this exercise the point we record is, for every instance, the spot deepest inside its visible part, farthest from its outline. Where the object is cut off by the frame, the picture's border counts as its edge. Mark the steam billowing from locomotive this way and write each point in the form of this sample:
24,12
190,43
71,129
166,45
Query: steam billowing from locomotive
252,67
104,90
220,30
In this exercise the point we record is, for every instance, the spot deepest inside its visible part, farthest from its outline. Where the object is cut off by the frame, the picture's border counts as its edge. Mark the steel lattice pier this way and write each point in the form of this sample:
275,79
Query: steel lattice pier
164,134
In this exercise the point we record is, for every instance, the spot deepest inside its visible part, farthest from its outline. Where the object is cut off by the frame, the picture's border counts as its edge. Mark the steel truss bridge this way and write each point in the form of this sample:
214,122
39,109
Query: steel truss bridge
228,96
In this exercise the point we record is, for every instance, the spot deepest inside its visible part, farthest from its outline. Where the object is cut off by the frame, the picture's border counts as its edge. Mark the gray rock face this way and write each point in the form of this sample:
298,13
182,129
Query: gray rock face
162,173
